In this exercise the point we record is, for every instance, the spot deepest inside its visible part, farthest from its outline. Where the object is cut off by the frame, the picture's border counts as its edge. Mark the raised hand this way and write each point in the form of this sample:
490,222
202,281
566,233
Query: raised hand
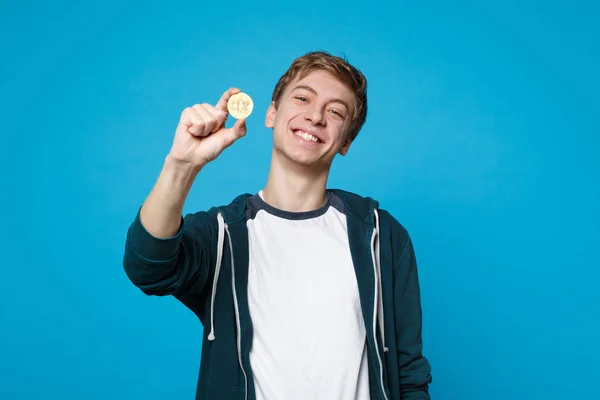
201,135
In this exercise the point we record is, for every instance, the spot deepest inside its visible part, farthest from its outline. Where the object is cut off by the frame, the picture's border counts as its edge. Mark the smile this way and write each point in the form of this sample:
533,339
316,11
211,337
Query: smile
307,136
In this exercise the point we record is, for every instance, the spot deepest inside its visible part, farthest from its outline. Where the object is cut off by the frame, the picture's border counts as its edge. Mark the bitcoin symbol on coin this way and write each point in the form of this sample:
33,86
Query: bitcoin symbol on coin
240,106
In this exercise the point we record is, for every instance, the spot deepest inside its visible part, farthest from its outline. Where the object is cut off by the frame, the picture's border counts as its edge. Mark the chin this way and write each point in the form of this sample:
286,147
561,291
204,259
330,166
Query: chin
306,160
287,156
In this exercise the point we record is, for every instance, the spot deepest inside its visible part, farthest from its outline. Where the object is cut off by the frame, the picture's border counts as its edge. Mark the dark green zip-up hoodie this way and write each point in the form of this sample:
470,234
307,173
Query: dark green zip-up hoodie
205,266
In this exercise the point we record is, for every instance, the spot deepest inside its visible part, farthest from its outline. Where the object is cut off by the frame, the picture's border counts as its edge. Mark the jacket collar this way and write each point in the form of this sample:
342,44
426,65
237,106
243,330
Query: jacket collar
358,207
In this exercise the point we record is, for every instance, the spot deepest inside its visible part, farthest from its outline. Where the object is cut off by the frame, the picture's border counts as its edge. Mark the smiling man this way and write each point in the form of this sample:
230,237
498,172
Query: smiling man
305,292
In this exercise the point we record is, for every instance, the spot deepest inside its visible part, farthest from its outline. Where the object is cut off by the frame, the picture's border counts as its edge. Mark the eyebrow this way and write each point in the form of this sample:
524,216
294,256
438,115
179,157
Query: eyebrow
305,87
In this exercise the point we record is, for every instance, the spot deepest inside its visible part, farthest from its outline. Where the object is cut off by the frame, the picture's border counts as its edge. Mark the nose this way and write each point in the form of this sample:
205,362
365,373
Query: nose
316,115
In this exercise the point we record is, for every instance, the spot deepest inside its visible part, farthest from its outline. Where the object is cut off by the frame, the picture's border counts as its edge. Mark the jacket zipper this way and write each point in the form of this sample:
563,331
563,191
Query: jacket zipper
376,297
237,316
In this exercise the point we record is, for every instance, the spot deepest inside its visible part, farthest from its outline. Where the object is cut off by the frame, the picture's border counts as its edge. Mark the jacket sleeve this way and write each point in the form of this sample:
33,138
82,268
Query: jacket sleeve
173,266
414,368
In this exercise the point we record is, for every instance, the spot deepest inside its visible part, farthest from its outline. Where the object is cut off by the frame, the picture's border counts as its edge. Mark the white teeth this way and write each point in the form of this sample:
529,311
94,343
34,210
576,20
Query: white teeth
306,136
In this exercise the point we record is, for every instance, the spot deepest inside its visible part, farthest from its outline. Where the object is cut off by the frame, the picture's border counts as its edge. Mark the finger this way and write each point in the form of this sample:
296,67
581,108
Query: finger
219,117
186,117
210,120
239,128
192,122
234,133
222,104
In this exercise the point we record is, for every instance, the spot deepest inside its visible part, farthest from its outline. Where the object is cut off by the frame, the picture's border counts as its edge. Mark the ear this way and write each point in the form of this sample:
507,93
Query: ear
345,146
270,117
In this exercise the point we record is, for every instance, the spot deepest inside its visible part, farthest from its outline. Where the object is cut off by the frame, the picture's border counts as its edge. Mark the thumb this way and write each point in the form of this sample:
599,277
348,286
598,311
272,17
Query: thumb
239,128
234,133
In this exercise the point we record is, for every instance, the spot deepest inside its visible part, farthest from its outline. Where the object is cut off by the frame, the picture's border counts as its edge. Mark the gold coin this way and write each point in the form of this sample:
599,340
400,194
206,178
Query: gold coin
240,105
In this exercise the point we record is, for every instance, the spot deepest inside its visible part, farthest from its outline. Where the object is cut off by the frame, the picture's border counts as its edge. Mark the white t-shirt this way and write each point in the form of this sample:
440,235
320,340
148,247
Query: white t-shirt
309,337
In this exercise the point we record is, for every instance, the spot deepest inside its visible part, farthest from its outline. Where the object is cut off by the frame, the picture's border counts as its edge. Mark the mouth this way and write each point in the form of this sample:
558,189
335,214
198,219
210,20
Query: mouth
309,137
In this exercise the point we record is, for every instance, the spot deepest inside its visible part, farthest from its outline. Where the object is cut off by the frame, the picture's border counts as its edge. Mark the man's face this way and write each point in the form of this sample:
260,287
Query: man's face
310,124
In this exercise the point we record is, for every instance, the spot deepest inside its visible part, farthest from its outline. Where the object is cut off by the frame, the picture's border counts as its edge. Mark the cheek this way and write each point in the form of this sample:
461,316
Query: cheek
281,122
341,132
285,117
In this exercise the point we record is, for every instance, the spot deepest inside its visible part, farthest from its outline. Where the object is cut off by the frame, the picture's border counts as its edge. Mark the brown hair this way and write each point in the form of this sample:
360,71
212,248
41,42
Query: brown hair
338,67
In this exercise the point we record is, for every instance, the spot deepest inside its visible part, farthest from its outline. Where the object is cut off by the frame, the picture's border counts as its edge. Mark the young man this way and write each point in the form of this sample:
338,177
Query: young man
304,292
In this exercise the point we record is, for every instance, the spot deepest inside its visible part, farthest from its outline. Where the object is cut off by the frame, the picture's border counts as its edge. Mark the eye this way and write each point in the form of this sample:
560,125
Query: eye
337,113
303,99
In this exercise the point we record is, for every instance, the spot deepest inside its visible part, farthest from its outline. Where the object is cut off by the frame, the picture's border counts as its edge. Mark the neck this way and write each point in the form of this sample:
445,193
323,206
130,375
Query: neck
295,188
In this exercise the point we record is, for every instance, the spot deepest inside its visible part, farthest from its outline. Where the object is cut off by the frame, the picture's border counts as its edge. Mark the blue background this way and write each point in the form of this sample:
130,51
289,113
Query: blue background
482,139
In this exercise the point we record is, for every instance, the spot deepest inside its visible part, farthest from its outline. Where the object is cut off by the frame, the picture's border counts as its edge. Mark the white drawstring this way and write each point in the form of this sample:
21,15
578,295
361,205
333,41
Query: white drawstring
223,230
380,313
220,243
378,301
